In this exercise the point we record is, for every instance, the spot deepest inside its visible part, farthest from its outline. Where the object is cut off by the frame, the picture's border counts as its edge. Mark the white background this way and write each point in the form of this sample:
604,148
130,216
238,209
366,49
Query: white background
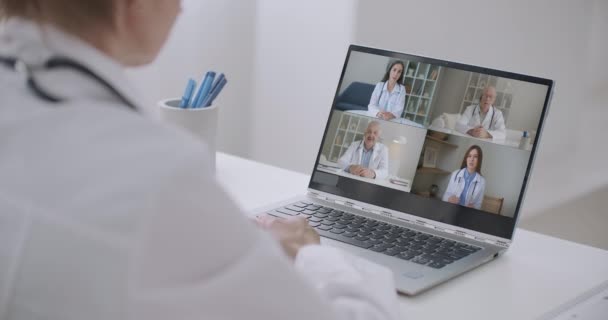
283,60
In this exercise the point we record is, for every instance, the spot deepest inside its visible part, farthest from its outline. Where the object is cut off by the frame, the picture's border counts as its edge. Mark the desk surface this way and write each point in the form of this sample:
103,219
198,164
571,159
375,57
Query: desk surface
536,275
386,182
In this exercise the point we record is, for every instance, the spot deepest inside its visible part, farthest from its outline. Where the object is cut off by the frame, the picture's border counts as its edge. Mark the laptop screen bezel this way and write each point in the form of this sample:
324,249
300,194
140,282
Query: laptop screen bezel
491,224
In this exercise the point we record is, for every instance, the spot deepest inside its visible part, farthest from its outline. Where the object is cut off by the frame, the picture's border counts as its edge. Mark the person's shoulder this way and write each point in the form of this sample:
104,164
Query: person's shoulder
497,110
470,107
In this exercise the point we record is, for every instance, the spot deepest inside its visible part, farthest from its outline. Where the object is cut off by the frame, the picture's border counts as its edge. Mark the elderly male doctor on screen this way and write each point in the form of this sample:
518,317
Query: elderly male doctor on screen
367,158
483,120
105,214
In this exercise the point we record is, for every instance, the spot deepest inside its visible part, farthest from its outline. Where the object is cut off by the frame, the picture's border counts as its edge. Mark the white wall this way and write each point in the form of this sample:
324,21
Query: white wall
284,58
527,105
298,59
364,67
448,95
209,35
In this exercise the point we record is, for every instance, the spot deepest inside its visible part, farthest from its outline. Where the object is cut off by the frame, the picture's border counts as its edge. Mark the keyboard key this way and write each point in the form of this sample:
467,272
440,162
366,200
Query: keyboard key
300,205
324,210
308,212
294,208
420,260
327,223
320,215
288,212
315,219
313,207
314,224
361,238
324,228
378,248
337,231
391,252
342,238
436,265
405,256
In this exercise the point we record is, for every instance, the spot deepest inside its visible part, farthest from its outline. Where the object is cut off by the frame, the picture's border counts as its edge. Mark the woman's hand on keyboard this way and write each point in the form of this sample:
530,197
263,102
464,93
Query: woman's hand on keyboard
293,233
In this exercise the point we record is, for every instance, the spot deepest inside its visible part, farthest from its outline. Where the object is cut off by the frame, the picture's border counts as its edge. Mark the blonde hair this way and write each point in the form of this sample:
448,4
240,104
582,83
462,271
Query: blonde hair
73,15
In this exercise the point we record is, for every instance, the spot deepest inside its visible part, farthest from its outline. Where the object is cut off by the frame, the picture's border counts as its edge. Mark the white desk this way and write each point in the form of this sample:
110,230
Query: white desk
508,141
371,114
386,182
538,274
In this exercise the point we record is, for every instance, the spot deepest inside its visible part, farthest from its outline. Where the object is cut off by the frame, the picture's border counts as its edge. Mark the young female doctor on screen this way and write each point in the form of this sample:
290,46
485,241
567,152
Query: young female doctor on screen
388,99
106,215
467,186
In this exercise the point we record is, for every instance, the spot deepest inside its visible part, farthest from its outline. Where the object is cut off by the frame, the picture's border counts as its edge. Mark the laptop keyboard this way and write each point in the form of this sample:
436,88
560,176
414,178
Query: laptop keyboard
403,243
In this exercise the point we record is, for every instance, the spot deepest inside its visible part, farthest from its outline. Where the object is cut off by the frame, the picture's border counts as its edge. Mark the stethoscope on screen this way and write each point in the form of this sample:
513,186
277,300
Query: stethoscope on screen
460,178
57,63
382,92
491,119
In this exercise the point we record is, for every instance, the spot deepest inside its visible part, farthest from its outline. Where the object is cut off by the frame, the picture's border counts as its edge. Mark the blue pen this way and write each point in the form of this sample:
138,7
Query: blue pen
203,91
217,81
214,93
188,94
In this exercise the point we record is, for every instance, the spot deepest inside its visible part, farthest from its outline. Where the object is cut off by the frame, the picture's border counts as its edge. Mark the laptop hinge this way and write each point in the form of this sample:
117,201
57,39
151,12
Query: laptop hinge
401,217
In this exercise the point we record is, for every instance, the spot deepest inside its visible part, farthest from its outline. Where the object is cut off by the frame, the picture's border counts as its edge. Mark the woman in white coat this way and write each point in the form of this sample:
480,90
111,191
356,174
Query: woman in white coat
467,186
388,99
107,215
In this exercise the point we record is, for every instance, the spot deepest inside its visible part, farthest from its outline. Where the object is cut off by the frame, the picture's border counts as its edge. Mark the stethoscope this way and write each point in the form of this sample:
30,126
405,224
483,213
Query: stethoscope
491,119
459,176
352,156
382,91
57,63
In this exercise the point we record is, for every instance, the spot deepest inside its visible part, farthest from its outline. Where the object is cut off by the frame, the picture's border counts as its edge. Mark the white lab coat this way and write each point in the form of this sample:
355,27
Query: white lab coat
474,193
105,214
378,162
494,122
382,100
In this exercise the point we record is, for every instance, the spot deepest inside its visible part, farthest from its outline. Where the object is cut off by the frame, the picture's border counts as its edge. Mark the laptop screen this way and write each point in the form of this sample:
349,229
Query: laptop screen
436,139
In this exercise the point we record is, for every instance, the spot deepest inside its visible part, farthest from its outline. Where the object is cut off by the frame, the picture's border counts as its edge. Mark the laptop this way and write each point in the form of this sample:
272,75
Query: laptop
424,164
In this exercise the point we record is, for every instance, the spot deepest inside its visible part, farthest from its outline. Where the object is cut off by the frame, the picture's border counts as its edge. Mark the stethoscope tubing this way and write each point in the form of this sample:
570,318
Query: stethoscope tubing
56,63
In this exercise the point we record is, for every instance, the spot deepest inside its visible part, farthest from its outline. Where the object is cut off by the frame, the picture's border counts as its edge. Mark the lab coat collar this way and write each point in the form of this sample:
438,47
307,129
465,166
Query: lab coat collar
35,44
375,149
460,174
396,90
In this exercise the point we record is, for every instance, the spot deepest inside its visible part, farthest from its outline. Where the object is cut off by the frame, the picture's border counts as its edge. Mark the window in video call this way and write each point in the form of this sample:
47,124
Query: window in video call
446,143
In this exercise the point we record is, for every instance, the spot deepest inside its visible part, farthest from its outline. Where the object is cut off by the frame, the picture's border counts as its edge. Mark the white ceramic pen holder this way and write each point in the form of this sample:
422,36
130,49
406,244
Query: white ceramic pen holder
200,122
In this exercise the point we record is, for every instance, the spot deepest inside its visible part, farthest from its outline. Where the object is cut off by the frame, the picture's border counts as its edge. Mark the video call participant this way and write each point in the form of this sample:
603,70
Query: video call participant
367,158
388,98
483,120
467,186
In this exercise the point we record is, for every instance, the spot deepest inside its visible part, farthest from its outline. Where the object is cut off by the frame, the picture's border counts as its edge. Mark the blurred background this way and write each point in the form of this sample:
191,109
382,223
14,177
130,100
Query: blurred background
283,60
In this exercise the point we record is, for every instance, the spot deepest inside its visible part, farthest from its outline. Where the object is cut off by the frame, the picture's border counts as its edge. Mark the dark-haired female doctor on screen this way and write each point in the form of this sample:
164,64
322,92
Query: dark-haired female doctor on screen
388,99
105,214
467,186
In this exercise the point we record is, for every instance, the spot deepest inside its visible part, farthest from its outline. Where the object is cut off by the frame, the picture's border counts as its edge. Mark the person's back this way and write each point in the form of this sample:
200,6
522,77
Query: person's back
106,215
